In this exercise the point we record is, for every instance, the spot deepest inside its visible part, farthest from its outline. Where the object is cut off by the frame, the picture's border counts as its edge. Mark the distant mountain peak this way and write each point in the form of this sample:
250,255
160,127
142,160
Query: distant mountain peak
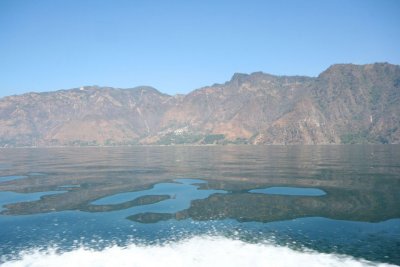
347,103
239,77
146,89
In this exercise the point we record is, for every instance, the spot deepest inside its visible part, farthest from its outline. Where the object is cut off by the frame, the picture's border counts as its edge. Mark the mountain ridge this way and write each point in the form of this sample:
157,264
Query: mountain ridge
346,103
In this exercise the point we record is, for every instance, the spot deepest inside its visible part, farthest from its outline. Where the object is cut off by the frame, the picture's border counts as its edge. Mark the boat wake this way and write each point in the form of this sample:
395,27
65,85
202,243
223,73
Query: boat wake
196,251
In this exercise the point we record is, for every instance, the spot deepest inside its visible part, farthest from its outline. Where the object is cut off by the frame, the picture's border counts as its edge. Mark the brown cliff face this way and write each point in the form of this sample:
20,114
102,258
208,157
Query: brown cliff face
85,116
345,104
361,102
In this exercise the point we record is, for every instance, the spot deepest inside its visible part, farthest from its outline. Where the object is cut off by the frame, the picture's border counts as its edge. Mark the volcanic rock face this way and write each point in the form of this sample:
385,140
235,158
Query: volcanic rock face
344,104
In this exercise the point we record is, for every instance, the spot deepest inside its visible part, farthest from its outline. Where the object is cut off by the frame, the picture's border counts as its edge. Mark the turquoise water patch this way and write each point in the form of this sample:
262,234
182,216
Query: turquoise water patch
11,178
184,188
181,193
4,166
69,186
36,174
290,191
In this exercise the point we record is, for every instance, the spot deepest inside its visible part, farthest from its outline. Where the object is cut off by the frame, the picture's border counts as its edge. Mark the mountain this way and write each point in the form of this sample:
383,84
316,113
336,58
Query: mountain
345,104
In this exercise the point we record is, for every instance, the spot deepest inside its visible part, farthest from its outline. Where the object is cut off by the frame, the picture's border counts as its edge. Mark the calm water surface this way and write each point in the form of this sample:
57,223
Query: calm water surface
276,205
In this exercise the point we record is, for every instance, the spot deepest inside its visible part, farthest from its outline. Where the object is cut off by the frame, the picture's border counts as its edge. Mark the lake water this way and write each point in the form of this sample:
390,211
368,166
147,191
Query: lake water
201,206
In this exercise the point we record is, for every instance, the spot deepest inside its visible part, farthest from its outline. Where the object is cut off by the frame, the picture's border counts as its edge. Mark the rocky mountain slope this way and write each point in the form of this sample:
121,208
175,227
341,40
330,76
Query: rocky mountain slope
344,104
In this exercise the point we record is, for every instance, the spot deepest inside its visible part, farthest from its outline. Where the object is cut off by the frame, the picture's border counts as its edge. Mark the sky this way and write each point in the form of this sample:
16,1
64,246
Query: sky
179,46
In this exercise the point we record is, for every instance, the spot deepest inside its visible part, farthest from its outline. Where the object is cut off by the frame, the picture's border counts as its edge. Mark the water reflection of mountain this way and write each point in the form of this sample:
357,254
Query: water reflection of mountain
343,205
362,182
337,204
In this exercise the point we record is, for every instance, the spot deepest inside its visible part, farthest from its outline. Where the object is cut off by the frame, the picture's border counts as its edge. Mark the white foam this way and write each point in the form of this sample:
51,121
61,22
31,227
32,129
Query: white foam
198,251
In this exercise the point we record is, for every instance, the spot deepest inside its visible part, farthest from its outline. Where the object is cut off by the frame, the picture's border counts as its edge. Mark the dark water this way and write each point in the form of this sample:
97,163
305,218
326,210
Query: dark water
341,202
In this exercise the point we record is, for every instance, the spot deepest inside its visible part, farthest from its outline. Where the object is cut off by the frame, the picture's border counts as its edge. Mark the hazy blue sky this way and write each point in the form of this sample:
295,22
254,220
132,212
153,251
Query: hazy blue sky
178,46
